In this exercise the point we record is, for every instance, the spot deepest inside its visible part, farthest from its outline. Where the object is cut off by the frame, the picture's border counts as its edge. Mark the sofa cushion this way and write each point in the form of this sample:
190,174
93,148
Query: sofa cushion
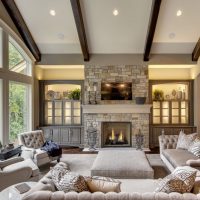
102,184
68,181
181,180
178,157
184,141
40,154
195,147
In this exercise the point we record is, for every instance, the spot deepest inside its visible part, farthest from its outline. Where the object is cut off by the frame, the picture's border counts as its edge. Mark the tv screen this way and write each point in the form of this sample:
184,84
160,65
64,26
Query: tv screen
116,91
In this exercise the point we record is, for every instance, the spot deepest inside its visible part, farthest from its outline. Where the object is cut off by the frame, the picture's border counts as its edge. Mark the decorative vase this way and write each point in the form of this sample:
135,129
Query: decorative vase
140,100
92,137
139,140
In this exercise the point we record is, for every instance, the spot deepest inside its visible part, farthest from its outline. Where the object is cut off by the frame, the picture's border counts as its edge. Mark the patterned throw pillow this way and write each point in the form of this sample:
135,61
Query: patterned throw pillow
184,141
181,180
103,184
67,181
195,147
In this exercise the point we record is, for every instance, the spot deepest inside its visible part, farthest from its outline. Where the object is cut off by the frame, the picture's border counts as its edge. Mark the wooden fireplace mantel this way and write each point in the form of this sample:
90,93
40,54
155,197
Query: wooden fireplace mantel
116,108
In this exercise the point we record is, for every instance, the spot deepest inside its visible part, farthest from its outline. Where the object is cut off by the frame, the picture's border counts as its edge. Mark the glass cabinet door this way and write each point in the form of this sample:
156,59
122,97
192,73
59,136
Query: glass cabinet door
165,112
156,112
58,112
184,112
48,112
175,112
77,112
67,112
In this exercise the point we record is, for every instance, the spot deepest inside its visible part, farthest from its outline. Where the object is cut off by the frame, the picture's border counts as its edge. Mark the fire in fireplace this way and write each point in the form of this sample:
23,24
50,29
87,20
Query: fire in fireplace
116,134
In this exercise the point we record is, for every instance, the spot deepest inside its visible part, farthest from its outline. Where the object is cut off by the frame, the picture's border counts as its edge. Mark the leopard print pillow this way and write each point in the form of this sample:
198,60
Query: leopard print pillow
181,180
67,181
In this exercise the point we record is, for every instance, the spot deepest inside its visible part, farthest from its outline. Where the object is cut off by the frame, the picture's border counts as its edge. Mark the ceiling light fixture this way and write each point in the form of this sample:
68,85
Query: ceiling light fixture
179,13
115,12
52,12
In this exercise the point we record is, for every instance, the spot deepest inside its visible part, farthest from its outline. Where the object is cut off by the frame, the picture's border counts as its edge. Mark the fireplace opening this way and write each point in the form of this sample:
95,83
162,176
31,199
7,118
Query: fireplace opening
116,134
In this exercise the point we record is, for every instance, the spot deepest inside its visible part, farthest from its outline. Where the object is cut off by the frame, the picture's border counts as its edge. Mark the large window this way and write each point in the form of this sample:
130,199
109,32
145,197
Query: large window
15,86
19,109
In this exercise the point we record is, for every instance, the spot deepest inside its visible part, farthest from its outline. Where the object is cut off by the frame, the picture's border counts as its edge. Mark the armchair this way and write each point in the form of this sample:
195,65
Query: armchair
16,170
32,142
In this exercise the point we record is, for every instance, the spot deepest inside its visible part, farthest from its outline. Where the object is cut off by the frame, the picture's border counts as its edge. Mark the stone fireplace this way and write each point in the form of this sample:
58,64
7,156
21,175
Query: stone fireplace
116,134
102,111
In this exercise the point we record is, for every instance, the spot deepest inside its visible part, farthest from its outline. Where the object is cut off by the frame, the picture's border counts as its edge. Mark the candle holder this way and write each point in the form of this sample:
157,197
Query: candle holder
95,93
89,98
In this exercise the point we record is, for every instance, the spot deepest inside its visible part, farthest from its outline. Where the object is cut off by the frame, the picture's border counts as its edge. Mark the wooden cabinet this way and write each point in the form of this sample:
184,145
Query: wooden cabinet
172,110
60,117
64,136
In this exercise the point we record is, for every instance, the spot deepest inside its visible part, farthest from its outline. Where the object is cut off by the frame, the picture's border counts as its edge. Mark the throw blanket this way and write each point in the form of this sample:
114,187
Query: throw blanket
52,148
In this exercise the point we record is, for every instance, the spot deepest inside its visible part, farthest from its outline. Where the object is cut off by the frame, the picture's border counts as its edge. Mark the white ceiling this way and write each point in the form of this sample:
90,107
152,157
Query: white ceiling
125,33
184,30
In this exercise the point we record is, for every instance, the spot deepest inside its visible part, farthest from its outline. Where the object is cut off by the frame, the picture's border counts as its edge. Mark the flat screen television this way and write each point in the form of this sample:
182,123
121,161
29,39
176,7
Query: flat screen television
116,91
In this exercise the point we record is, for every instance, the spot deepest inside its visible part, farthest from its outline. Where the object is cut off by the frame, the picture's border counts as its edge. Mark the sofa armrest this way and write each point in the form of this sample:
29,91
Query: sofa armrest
167,142
193,163
10,161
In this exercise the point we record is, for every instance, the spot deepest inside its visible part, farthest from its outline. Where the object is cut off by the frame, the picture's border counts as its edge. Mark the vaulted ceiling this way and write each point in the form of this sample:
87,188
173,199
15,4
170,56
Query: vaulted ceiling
125,33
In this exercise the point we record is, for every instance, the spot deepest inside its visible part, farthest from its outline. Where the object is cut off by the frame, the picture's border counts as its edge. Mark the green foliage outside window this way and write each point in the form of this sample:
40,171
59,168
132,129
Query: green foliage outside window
17,97
14,56
17,109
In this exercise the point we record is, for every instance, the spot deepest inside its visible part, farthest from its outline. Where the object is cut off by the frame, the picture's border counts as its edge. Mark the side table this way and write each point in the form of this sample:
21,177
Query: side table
10,152
10,193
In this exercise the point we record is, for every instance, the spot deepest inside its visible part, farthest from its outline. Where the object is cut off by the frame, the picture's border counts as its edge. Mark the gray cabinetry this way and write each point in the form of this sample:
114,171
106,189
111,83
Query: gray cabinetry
64,136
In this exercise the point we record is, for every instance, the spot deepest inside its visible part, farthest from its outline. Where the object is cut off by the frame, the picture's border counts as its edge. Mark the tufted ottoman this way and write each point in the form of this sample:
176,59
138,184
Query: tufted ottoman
123,164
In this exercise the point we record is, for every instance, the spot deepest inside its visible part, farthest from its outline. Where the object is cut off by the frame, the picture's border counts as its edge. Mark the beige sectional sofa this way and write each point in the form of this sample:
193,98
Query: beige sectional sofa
131,189
173,157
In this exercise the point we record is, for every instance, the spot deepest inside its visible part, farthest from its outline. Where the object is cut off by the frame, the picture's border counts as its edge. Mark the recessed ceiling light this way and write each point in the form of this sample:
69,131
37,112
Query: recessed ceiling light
179,13
52,12
115,12
172,35
61,36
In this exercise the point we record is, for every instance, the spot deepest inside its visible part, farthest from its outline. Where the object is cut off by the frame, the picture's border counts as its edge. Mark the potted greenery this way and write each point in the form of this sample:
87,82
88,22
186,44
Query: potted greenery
75,94
158,95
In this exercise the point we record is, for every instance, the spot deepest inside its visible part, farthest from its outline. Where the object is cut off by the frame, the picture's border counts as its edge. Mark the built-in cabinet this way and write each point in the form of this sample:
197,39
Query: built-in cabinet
172,108
60,115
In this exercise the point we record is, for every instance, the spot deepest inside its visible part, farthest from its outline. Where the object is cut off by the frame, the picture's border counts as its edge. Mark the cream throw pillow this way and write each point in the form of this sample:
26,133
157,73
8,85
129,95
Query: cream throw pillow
184,141
103,184
181,180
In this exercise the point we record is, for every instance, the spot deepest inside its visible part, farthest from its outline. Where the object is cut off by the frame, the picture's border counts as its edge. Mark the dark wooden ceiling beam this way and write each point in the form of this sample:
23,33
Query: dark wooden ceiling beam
21,26
152,27
196,51
76,8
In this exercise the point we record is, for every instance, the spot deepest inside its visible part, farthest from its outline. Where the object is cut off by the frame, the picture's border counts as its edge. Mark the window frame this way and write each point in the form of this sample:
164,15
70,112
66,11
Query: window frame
6,75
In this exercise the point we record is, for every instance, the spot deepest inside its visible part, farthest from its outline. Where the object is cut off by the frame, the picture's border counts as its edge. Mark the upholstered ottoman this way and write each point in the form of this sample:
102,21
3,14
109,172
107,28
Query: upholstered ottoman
124,164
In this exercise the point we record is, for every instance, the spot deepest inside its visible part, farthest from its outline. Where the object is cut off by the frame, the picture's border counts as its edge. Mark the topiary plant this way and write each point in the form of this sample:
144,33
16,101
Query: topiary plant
75,94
